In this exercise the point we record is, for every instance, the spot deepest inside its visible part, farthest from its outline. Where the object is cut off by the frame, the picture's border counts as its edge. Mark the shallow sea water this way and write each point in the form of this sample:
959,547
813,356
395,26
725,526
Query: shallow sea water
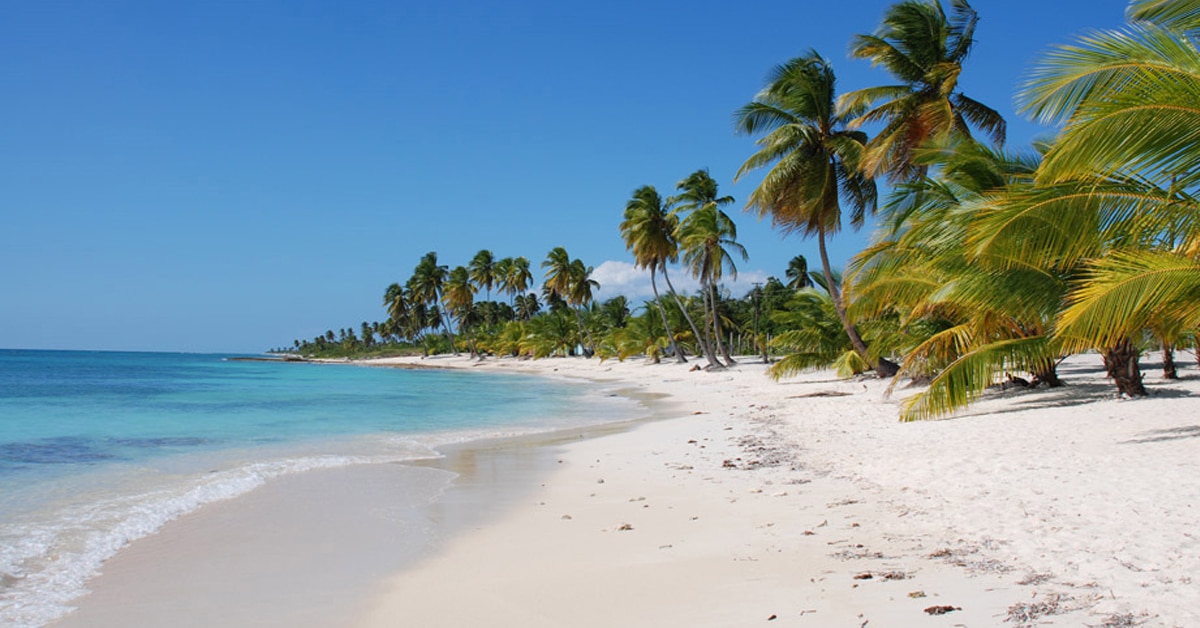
99,449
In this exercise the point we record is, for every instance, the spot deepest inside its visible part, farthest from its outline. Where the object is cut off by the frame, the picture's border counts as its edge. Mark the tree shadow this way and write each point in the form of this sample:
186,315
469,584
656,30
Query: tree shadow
1174,433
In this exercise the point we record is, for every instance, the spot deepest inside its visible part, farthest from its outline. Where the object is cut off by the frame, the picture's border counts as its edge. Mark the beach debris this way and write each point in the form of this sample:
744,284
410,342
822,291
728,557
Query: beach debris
942,553
1121,620
600,481
893,575
809,533
942,609
821,393
668,546
1023,613
567,517
1034,578
866,575
624,527
916,594
772,617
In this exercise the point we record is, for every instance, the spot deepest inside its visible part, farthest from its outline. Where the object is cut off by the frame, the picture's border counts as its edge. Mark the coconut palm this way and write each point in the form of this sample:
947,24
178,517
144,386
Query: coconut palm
483,271
458,297
1128,102
707,236
519,277
814,162
923,49
426,285
797,273
649,231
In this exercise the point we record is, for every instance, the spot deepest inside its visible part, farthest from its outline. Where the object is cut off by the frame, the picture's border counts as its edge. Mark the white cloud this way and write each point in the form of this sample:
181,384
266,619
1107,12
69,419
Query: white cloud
618,278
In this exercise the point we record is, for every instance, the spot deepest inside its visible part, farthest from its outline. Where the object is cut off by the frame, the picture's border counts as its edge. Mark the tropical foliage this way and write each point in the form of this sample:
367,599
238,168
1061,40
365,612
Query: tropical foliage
989,265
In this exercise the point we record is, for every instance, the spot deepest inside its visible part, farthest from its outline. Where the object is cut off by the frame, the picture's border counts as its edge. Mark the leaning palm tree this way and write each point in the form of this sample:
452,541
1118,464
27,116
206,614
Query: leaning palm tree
698,194
923,49
426,285
649,231
708,237
814,162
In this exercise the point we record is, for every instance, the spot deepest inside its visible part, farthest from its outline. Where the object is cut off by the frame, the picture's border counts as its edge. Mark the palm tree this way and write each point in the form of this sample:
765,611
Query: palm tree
459,297
397,305
518,277
814,162
923,50
426,286
483,271
649,231
1128,103
707,235
570,281
797,273
501,270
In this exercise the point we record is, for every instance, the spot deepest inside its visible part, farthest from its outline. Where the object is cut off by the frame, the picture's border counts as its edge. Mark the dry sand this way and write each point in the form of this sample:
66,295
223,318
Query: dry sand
806,503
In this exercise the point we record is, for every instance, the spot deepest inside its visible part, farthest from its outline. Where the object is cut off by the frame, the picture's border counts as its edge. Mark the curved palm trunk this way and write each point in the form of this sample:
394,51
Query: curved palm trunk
883,368
1121,362
704,346
679,357
716,324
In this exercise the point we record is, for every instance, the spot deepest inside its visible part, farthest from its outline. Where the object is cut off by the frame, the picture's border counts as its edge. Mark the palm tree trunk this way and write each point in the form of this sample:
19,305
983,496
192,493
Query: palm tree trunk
1047,374
679,357
716,319
437,303
589,350
704,346
1170,371
883,368
1121,362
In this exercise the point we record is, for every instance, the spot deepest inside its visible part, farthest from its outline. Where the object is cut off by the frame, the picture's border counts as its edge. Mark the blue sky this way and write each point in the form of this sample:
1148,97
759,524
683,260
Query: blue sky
231,175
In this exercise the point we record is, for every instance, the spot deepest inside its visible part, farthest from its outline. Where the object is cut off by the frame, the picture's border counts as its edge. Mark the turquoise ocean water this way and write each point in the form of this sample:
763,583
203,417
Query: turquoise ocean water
98,449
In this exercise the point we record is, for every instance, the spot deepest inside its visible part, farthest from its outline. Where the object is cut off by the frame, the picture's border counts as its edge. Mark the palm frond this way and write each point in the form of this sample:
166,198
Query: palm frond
965,379
1125,292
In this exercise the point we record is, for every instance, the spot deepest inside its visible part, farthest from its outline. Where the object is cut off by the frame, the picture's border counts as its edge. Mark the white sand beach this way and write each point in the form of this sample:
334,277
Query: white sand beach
806,503
745,501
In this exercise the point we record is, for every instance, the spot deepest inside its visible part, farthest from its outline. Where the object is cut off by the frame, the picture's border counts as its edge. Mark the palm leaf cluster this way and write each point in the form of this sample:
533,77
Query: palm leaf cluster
988,264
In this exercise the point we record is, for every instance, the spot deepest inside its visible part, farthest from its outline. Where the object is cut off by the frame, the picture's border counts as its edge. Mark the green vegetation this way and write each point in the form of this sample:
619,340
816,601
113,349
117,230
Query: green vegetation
989,263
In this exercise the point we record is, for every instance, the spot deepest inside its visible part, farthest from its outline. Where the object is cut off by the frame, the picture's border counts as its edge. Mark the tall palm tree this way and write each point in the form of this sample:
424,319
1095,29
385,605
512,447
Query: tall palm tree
568,280
459,298
501,270
649,231
580,295
483,271
797,273
707,236
426,285
519,276
814,162
397,305
923,49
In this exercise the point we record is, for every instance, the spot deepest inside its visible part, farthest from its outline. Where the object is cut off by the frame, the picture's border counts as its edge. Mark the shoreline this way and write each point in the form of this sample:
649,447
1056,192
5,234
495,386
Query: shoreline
805,502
